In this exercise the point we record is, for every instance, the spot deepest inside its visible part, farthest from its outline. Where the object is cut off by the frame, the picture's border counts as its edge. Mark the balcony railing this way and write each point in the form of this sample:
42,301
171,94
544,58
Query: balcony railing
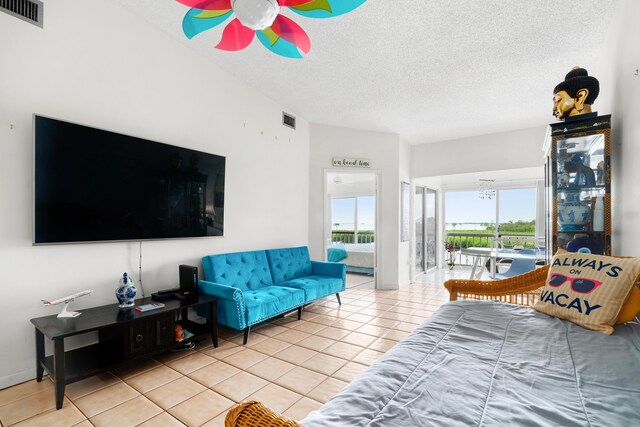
468,240
352,237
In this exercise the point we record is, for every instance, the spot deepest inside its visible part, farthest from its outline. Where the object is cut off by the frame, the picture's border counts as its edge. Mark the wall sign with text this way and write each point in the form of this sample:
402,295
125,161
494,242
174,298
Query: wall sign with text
344,162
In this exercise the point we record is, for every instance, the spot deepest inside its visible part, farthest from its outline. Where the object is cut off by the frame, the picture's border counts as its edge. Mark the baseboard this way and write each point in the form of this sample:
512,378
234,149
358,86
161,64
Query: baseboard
17,378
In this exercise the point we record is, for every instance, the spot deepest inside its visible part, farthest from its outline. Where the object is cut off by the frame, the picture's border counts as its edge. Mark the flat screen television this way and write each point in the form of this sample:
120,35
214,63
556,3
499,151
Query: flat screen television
94,185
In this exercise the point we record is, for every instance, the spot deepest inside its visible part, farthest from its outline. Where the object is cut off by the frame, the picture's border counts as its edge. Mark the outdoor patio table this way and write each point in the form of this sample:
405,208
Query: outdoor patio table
481,255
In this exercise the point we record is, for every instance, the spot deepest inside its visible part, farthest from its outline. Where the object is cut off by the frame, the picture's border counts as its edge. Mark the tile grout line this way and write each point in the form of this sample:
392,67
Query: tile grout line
361,307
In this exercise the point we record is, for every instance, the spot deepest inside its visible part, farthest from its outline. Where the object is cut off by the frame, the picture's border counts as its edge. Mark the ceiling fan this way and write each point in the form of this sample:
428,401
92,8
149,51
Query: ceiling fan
261,19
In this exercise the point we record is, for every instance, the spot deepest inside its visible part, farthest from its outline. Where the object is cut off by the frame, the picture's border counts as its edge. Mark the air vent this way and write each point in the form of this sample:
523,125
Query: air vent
288,120
27,10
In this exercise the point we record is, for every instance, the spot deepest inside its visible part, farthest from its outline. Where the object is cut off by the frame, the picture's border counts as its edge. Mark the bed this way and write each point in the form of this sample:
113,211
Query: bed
488,363
359,257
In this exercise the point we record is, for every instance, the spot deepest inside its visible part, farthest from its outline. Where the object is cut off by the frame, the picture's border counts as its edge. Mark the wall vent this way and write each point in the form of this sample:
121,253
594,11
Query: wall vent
28,10
287,119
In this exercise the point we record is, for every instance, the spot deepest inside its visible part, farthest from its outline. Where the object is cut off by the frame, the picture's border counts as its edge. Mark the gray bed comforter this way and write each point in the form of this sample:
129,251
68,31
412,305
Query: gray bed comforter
479,363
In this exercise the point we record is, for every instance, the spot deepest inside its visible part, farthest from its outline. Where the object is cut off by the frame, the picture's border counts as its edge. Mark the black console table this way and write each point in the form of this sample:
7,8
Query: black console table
124,335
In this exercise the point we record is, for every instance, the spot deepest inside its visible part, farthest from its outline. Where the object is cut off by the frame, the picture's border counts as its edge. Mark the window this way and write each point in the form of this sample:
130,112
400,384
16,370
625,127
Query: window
343,212
472,221
353,219
517,211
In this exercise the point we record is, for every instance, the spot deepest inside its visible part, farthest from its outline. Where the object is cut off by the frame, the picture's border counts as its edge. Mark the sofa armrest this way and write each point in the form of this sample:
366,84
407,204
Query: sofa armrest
329,269
219,290
522,289
231,302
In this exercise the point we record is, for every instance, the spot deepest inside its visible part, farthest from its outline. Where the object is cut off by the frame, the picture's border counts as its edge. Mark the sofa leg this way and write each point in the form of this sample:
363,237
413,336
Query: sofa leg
338,296
299,312
246,335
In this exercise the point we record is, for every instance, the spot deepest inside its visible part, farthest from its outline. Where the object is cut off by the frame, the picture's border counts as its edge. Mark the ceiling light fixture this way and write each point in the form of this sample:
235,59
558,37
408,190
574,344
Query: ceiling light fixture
256,14
261,19
487,189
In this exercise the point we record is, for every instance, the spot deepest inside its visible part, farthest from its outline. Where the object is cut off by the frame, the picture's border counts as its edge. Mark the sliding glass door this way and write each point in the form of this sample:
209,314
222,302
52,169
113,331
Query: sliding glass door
430,227
425,226
420,226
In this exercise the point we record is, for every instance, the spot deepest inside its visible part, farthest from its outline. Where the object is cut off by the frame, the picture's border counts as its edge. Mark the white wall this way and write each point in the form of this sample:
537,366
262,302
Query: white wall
498,151
620,89
405,252
383,149
96,64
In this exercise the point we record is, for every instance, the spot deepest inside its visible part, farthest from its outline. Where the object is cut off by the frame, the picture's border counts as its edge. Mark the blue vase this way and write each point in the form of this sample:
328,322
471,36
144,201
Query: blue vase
126,292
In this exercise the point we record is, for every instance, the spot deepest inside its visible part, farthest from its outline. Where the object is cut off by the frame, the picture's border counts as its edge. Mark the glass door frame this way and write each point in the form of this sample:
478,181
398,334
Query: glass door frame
425,191
420,234
435,228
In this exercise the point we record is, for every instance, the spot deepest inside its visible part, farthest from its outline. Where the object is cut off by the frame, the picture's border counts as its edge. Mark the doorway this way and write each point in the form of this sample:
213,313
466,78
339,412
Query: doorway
351,224
426,228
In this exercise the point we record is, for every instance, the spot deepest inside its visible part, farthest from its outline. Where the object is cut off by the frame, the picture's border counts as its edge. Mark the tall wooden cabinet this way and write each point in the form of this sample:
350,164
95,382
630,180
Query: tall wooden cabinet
578,185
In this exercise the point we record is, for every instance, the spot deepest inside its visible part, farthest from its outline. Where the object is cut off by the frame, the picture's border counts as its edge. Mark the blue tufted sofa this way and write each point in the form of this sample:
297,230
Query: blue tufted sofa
258,285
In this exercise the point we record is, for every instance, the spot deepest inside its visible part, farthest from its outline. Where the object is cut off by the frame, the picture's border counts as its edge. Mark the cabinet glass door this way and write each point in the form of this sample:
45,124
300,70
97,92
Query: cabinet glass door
578,180
581,192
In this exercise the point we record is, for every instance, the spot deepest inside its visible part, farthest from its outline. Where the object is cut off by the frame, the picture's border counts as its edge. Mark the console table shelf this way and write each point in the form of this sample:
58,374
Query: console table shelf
125,335
83,362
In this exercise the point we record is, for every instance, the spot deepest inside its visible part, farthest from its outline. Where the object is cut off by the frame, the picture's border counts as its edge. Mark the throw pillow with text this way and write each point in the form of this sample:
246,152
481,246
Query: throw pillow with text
588,290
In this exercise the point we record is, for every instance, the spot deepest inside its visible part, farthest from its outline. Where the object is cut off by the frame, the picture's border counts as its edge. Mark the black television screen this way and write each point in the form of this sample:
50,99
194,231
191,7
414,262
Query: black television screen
95,185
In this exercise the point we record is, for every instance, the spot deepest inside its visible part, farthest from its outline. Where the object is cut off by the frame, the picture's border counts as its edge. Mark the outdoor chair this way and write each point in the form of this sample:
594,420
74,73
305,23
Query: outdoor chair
520,265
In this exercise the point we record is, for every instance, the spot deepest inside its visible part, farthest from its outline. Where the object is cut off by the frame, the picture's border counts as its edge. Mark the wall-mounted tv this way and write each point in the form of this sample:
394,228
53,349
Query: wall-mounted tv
95,185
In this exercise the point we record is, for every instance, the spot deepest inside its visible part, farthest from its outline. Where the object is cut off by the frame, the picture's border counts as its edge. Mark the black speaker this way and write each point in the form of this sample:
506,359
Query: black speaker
188,279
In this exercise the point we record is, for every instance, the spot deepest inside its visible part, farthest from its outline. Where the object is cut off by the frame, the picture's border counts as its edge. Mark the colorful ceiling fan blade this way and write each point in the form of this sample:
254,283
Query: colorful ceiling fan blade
289,3
278,45
291,32
318,8
194,23
207,4
236,36
314,5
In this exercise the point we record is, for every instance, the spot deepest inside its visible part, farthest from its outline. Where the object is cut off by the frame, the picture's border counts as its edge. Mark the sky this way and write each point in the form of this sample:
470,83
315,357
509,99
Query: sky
342,211
466,206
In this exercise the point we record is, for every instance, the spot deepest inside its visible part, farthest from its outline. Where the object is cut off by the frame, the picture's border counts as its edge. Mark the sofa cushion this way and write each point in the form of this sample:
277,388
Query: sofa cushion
289,263
315,286
242,270
266,302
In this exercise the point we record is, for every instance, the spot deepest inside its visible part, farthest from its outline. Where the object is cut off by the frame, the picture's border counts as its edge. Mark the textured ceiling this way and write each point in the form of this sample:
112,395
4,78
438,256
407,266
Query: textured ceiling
427,70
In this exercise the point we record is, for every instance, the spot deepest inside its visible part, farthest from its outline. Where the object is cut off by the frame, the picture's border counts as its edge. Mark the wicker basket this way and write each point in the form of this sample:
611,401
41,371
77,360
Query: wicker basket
255,414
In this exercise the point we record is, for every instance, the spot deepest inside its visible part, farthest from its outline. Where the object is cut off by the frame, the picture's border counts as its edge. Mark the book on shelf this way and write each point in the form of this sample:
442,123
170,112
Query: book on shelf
149,307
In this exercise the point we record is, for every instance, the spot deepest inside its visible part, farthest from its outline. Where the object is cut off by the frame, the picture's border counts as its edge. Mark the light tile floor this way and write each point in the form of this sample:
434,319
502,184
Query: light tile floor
359,279
291,366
